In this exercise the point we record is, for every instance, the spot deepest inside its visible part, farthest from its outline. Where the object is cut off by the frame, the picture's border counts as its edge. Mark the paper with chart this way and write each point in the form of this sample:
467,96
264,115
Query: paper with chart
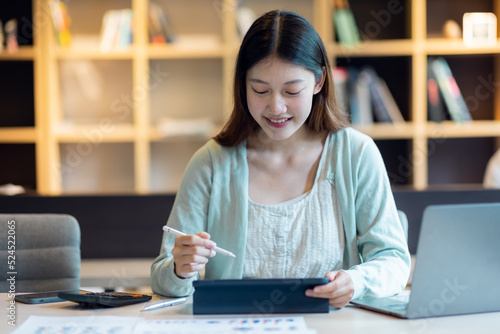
133,325
78,325
248,324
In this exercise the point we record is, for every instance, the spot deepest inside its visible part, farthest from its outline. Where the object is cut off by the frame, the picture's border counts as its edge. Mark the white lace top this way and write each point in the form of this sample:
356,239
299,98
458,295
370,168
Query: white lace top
300,238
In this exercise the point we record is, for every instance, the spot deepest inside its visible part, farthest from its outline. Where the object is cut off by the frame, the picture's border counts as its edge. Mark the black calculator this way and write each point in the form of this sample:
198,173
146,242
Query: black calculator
104,299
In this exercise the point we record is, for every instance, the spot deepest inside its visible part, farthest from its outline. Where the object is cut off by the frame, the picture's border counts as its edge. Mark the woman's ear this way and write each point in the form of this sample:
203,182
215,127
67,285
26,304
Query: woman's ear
320,82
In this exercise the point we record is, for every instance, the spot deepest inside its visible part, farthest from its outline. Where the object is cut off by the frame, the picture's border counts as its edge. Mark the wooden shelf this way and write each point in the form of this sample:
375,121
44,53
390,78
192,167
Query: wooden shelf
96,133
477,129
156,136
455,187
18,135
375,48
187,47
406,47
443,46
23,53
388,130
93,52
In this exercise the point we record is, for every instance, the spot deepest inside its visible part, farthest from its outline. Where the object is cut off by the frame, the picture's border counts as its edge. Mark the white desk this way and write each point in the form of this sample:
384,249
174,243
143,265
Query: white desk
346,320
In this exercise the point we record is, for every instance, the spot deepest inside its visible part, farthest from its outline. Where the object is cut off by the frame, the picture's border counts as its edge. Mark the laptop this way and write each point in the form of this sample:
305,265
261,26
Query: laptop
457,270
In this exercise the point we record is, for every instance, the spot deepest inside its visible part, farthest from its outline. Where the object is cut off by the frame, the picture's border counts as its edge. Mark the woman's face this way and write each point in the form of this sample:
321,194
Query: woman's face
279,96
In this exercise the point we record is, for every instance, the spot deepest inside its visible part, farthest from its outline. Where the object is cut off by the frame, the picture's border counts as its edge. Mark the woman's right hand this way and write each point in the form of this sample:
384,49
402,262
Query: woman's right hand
191,253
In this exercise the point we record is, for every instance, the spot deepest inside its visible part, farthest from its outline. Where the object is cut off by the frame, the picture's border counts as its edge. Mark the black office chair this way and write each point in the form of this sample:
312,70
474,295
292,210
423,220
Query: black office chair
39,252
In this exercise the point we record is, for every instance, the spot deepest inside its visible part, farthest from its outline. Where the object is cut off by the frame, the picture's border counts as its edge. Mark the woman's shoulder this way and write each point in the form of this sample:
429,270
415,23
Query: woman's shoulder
214,153
215,149
351,137
353,145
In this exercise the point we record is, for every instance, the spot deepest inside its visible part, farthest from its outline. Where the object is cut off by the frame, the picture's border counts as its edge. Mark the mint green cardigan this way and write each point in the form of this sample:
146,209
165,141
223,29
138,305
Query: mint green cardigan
213,197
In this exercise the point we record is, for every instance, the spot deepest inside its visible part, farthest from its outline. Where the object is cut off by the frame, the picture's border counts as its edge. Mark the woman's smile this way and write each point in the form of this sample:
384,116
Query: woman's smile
278,122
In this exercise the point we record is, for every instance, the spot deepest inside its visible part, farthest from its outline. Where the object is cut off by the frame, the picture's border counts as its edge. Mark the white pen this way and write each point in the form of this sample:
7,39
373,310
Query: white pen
165,303
179,233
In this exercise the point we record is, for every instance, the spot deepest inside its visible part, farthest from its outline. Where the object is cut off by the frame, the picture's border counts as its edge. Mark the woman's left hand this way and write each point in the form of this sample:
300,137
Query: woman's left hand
339,290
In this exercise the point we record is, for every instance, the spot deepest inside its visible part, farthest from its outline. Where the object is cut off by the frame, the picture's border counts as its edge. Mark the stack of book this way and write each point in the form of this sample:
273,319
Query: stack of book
345,24
159,26
116,30
443,93
245,17
366,96
61,21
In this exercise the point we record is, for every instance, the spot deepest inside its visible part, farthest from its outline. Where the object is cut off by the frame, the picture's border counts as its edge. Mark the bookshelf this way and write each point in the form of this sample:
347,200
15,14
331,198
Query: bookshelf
19,136
412,31
91,126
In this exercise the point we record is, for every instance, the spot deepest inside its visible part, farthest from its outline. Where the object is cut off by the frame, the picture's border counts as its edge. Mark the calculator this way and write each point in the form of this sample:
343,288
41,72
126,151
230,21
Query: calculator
104,299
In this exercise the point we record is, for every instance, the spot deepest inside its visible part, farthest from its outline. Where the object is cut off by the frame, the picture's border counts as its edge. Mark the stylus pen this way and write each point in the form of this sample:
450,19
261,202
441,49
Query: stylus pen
179,233
165,303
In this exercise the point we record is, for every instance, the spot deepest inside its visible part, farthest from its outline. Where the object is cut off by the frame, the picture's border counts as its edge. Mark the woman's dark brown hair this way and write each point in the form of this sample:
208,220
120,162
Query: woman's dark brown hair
289,37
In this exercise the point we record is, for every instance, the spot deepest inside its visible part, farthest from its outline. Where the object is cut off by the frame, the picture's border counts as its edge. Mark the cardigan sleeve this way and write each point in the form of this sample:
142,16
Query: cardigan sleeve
188,214
384,257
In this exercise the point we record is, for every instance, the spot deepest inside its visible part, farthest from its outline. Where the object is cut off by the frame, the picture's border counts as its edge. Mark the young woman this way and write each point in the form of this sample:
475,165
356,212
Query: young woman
287,185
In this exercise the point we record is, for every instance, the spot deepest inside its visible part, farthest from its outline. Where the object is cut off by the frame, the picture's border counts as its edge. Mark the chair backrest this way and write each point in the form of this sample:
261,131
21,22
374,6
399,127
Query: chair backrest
39,252
404,222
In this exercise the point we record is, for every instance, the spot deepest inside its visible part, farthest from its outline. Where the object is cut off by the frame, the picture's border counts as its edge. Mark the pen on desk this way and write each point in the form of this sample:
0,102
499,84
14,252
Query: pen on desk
165,303
179,233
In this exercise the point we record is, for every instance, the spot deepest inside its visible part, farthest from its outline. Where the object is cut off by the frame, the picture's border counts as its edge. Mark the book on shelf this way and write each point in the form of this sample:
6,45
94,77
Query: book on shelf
352,94
435,104
367,96
116,31
159,25
385,109
61,22
109,30
360,97
245,17
125,36
345,24
340,75
352,100
448,87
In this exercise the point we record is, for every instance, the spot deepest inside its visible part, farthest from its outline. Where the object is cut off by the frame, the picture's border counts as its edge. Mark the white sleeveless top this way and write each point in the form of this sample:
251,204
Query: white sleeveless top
300,238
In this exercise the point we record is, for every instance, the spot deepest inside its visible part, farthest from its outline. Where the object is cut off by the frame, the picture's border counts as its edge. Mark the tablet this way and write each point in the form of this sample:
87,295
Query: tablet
257,296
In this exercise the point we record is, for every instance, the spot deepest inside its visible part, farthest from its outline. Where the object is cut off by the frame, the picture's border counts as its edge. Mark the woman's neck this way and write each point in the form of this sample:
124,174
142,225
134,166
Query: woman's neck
299,141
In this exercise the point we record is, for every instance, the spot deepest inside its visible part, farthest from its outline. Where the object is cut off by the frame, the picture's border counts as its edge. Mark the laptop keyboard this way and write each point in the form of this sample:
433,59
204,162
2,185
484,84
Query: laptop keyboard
401,298
397,303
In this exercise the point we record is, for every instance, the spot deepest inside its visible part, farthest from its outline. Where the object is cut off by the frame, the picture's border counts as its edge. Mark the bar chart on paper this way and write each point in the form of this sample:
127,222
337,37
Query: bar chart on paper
132,325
